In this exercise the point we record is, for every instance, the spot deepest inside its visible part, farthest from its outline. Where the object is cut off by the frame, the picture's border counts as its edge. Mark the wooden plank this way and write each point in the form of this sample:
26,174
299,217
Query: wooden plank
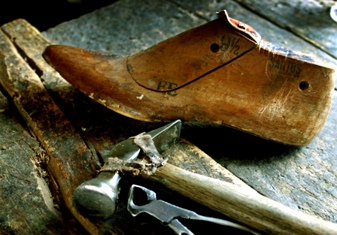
48,124
309,20
26,202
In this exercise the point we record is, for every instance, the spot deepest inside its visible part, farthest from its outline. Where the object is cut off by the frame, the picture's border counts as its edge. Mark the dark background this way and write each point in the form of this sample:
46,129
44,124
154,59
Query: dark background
48,13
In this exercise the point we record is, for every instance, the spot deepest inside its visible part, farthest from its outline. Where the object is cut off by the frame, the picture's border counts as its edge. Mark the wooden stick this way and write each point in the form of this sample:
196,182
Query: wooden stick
249,208
49,125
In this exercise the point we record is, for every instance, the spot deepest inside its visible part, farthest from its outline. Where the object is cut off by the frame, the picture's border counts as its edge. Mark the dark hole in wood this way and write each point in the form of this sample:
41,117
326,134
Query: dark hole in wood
215,47
304,85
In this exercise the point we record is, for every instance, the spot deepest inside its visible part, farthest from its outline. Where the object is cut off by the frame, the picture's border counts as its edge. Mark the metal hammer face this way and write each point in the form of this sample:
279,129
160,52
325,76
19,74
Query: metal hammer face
98,196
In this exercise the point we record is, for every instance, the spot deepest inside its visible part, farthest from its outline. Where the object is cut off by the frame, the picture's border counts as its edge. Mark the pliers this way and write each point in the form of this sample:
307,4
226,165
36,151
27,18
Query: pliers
168,213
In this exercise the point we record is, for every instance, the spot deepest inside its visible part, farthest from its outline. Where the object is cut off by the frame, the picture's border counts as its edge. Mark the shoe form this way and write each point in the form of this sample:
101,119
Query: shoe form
221,72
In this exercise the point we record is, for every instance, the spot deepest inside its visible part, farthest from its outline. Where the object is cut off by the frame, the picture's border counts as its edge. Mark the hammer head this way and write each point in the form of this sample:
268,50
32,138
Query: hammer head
98,197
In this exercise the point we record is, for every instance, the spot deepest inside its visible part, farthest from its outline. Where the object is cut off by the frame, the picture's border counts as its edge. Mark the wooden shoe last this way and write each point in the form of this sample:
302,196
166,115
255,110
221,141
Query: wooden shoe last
221,72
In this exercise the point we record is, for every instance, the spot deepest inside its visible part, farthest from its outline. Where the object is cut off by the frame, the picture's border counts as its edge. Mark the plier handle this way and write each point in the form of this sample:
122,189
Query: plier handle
168,213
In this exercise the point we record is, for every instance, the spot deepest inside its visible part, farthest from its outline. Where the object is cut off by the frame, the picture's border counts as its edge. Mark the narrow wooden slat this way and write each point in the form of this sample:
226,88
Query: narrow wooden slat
69,157
24,192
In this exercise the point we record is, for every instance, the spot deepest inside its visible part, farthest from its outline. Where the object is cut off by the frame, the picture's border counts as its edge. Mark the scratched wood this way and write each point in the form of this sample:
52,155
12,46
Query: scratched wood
49,126
26,202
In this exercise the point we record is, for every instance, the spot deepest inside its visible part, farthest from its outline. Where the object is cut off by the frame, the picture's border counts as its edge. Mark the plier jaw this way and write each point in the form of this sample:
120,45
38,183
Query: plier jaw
168,214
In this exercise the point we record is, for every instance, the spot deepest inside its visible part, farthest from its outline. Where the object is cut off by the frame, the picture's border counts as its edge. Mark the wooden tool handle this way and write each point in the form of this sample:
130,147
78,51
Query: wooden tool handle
246,207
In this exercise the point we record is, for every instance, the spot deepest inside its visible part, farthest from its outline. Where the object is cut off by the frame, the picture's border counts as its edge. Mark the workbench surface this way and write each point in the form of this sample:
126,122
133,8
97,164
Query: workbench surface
303,178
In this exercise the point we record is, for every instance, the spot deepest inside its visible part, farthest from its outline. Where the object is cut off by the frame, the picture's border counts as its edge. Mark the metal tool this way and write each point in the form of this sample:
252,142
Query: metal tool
98,196
242,205
168,214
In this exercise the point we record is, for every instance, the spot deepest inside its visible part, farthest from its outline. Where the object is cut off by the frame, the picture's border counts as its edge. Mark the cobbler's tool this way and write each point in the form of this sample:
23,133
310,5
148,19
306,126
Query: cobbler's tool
98,196
245,206
221,72
169,214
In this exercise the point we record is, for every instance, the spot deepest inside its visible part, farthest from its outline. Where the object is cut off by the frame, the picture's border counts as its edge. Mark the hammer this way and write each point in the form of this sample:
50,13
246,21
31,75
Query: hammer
246,207
98,196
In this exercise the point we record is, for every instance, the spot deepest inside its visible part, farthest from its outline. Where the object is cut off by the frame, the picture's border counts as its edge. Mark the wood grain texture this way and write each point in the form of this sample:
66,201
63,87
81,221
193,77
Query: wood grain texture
249,208
26,201
48,124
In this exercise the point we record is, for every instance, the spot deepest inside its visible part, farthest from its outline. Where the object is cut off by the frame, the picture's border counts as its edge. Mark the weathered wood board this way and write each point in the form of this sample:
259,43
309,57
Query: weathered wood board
297,177
46,123
25,200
